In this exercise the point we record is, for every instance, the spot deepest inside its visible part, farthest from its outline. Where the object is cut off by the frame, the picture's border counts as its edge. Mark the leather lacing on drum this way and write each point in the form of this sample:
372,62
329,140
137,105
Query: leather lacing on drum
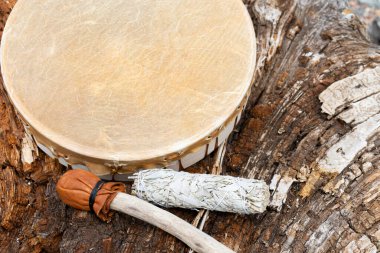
76,160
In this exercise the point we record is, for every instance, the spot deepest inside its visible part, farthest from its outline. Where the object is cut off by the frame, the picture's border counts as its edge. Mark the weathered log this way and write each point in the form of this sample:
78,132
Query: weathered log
311,130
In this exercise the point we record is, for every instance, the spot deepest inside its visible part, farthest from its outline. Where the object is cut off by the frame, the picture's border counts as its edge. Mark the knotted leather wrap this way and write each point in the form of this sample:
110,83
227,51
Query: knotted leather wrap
74,189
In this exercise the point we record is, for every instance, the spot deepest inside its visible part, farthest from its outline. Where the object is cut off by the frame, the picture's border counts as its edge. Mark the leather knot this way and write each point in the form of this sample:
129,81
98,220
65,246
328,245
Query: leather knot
75,187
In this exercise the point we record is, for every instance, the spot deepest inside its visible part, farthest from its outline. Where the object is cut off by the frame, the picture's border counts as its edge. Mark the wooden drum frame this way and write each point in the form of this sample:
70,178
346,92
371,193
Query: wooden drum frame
128,85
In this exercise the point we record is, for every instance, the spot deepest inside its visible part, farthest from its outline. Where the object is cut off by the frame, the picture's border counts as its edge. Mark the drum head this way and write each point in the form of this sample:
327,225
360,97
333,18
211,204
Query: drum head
127,80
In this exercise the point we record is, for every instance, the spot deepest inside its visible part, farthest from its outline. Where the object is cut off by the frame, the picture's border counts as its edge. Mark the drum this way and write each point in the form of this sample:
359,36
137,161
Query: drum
117,86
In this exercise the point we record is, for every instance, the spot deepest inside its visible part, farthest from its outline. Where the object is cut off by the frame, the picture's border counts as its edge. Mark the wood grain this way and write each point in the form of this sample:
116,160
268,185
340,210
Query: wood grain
303,47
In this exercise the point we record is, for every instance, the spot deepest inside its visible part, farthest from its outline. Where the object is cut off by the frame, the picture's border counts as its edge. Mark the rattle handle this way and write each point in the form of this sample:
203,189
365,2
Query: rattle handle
187,233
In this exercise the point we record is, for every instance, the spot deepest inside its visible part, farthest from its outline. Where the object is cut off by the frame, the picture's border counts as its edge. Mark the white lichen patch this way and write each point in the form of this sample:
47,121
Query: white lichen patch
363,244
355,100
274,182
343,93
281,192
316,58
341,154
269,11
320,236
201,191
361,110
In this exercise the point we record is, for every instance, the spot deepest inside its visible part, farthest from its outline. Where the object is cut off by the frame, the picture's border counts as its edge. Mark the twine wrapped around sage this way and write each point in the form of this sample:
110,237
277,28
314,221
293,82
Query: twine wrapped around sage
170,188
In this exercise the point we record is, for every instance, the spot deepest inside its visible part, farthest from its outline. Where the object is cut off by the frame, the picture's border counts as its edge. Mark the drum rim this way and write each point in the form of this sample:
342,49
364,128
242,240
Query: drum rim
69,148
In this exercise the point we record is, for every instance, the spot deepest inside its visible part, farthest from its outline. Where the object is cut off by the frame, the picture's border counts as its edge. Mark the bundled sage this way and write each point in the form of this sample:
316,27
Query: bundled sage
170,188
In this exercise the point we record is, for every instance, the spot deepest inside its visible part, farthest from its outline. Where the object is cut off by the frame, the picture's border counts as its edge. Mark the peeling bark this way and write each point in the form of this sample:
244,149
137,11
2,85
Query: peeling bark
285,137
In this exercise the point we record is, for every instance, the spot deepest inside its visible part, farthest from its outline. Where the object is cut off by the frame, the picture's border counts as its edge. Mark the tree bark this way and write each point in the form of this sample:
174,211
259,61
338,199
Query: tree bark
311,130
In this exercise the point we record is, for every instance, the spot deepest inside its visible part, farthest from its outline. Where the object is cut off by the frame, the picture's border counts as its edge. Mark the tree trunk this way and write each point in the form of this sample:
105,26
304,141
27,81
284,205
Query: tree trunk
311,130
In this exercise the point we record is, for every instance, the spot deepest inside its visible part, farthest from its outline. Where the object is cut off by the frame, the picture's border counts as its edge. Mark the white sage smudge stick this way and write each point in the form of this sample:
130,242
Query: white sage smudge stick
170,188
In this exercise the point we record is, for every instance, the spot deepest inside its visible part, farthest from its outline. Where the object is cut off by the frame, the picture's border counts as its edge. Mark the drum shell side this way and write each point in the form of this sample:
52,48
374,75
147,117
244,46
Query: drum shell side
120,170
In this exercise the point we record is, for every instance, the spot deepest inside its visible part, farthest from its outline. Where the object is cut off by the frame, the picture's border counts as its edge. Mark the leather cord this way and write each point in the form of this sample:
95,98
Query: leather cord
93,194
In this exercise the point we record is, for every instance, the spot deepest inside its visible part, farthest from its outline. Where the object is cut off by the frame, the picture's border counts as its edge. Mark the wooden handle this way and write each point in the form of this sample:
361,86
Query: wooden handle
193,237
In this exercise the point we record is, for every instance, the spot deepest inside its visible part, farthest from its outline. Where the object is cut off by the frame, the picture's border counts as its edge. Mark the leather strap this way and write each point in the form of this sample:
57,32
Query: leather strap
93,194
